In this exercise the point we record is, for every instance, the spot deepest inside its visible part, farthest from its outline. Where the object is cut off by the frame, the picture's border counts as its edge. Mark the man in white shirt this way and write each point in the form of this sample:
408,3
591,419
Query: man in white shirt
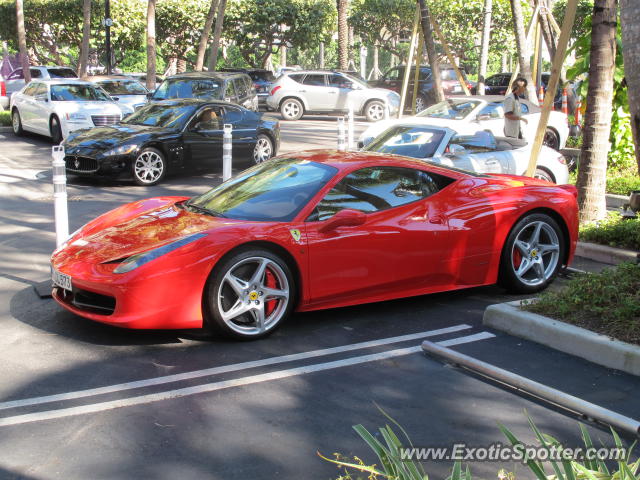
512,110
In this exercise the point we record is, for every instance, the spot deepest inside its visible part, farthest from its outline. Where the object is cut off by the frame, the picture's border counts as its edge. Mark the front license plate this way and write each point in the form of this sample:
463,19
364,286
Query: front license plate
61,279
457,88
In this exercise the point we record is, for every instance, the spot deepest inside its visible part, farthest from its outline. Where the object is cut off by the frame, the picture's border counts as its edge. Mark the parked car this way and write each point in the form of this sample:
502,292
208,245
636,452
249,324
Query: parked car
394,77
262,81
230,87
467,114
142,78
124,90
15,80
4,98
316,230
57,107
317,91
170,136
480,152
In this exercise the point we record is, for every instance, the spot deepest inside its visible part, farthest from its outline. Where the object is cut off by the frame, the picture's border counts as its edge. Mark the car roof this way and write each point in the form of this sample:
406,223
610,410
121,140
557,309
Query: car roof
99,78
62,81
214,75
177,102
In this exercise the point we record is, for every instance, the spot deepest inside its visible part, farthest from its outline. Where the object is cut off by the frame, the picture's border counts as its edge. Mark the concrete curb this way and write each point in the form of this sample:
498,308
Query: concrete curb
606,254
616,201
596,348
6,129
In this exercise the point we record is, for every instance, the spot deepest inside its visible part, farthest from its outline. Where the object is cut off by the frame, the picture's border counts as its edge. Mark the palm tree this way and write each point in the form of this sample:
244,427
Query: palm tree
629,14
22,41
484,50
597,120
204,38
217,32
343,34
431,51
86,34
521,47
151,45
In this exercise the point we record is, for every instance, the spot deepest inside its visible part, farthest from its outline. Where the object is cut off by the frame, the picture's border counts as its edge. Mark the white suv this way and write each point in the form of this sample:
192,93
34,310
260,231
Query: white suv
297,93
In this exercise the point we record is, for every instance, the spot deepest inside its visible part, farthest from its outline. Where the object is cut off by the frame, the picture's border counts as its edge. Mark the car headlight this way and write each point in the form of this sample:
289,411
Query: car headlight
75,116
121,150
140,259
394,99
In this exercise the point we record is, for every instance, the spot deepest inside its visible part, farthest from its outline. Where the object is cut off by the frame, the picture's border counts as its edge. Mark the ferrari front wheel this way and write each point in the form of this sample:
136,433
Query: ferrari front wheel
532,254
249,295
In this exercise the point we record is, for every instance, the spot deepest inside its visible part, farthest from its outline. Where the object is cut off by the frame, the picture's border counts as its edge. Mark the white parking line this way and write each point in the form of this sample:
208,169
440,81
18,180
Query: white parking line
227,368
237,382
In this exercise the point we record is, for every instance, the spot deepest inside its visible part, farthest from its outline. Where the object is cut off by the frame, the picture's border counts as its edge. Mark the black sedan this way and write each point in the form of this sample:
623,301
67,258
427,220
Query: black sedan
169,136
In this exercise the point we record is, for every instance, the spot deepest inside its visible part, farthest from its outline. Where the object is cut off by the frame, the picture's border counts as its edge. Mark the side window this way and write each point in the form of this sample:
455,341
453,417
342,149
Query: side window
230,92
16,75
338,81
41,90
425,74
231,115
241,87
208,119
374,189
296,77
30,90
35,73
493,110
314,79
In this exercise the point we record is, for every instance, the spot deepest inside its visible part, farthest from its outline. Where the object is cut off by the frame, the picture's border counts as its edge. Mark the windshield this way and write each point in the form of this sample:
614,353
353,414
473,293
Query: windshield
189,88
61,73
123,87
411,141
271,191
362,83
155,115
78,93
450,109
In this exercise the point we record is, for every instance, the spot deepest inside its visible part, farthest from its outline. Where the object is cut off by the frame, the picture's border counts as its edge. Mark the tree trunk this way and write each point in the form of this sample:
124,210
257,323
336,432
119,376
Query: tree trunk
204,38
217,32
151,45
484,49
182,66
629,15
86,33
22,41
438,94
283,55
597,120
523,50
547,34
343,34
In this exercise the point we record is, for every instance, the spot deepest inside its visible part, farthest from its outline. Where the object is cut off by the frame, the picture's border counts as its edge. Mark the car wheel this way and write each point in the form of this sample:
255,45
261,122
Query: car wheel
249,295
149,167
551,139
544,175
56,131
291,109
16,122
374,111
421,103
532,254
263,150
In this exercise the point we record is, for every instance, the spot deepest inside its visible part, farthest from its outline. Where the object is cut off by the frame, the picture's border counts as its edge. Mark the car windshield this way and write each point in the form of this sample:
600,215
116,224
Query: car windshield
272,191
78,93
123,87
450,109
189,88
362,83
411,141
265,76
158,115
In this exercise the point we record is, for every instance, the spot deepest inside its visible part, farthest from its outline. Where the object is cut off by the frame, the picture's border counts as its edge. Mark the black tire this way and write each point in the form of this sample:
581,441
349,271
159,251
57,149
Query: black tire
542,174
551,139
291,109
263,149
56,130
16,122
149,167
527,264
374,111
230,288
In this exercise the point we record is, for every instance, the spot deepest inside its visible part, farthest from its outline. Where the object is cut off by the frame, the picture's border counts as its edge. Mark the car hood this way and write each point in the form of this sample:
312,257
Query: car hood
88,108
100,139
378,127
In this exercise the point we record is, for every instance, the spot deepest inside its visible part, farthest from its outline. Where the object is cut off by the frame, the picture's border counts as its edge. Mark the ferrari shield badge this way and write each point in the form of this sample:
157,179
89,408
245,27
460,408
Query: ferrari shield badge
295,233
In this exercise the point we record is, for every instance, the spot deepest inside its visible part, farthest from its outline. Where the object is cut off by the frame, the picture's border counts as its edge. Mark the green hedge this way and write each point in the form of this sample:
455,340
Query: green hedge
614,232
5,119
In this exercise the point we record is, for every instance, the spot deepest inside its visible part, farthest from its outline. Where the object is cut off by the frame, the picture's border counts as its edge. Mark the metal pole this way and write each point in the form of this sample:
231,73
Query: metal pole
226,151
543,392
61,212
342,137
107,23
350,128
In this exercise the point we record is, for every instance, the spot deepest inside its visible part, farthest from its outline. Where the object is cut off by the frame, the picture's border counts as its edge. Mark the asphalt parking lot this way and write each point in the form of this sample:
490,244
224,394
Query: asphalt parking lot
82,400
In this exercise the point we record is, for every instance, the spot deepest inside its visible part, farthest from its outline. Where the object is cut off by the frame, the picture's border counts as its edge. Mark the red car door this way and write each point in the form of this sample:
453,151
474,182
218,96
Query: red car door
394,238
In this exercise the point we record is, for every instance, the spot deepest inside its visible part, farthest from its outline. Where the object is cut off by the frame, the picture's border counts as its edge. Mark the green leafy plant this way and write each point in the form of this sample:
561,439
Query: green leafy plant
613,231
622,184
5,119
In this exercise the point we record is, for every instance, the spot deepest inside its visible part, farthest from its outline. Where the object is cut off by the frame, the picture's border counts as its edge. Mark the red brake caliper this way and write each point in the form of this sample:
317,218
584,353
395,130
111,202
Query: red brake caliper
517,258
270,282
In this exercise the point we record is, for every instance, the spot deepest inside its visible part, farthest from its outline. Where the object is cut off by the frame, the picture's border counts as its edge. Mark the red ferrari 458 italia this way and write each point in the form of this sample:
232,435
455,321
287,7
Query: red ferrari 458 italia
321,229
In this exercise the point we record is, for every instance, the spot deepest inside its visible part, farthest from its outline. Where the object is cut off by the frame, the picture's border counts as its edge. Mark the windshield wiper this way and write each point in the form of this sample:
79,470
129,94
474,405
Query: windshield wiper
206,211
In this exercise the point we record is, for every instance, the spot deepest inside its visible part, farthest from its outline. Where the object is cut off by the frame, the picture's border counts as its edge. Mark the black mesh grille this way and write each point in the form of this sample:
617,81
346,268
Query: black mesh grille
80,164
88,301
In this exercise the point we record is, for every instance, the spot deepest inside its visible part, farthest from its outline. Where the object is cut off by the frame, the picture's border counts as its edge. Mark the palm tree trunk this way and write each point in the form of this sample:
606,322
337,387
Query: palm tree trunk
343,34
438,94
22,41
595,138
204,38
484,51
629,15
86,34
523,50
547,34
217,33
151,45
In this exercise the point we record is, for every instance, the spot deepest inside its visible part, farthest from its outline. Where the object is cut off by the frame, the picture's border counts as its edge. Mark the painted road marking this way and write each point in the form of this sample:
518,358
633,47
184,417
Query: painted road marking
237,382
227,368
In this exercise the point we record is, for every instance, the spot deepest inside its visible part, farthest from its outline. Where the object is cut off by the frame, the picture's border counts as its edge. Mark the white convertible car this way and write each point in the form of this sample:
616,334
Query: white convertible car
480,152
468,114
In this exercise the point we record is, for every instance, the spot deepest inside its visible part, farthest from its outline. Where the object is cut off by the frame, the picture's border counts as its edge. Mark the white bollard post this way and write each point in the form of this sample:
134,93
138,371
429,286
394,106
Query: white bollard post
342,136
61,212
351,145
226,151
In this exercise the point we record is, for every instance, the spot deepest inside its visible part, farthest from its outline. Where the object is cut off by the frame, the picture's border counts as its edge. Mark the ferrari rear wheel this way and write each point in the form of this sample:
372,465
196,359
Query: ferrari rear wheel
532,254
149,167
249,295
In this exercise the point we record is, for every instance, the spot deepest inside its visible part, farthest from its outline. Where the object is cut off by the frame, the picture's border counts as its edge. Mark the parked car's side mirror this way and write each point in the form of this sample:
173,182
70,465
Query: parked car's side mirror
150,95
344,218
456,149
115,99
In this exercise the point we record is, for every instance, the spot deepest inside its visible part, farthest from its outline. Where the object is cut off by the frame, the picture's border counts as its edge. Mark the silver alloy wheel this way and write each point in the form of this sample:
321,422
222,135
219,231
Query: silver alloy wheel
148,167
535,253
375,111
543,175
263,149
15,122
291,109
420,104
245,294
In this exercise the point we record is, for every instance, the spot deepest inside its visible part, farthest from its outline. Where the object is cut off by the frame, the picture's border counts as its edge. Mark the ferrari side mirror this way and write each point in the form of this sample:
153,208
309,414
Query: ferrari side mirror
344,218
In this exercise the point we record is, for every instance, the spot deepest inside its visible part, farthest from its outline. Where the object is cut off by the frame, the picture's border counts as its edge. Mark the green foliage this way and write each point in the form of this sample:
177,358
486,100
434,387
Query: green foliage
5,118
623,184
613,231
179,26
583,12
607,303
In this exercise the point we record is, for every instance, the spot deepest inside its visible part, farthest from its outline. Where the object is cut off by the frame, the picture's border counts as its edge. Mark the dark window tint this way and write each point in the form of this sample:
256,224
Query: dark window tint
262,76
374,189
184,88
230,91
61,73
35,73
314,79
482,141
232,115
297,77
16,74
241,87
339,81
394,74
155,115
123,87
412,141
